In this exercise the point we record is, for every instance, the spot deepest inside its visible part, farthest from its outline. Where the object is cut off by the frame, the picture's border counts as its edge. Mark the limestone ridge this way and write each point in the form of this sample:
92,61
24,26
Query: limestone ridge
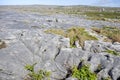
53,53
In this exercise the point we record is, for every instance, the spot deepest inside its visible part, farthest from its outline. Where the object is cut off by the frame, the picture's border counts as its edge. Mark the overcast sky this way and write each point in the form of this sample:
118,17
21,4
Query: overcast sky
111,3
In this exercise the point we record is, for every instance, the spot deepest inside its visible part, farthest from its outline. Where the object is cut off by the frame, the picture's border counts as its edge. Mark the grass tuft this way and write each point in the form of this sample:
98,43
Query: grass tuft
2,44
40,75
112,33
78,33
83,73
113,52
55,31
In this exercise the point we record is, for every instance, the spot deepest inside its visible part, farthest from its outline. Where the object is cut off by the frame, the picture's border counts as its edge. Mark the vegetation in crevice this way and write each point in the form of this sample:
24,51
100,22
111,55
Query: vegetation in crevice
75,34
83,73
113,52
78,33
40,75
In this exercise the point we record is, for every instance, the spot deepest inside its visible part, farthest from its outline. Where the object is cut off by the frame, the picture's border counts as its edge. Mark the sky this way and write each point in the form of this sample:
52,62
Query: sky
108,3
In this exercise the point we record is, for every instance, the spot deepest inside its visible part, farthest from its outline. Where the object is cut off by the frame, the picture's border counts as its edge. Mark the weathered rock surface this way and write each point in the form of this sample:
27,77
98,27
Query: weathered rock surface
28,45
99,46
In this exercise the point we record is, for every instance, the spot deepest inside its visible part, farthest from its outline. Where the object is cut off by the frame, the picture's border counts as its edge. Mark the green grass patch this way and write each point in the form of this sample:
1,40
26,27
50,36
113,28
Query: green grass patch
75,34
40,75
103,15
83,73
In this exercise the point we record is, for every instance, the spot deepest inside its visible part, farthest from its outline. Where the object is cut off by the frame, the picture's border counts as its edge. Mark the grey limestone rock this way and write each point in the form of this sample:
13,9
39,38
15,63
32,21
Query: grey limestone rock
28,45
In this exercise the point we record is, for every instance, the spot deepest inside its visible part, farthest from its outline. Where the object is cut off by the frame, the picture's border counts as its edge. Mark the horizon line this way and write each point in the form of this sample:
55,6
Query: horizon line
55,5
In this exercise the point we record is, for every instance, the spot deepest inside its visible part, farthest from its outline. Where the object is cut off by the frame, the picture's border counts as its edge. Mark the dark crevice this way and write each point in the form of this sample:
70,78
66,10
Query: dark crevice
102,78
63,79
80,65
89,58
69,73
108,57
21,34
44,50
118,78
98,70
110,73
57,53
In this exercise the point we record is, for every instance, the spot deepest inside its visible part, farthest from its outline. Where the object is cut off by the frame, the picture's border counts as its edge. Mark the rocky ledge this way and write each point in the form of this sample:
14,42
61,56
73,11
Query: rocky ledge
53,53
